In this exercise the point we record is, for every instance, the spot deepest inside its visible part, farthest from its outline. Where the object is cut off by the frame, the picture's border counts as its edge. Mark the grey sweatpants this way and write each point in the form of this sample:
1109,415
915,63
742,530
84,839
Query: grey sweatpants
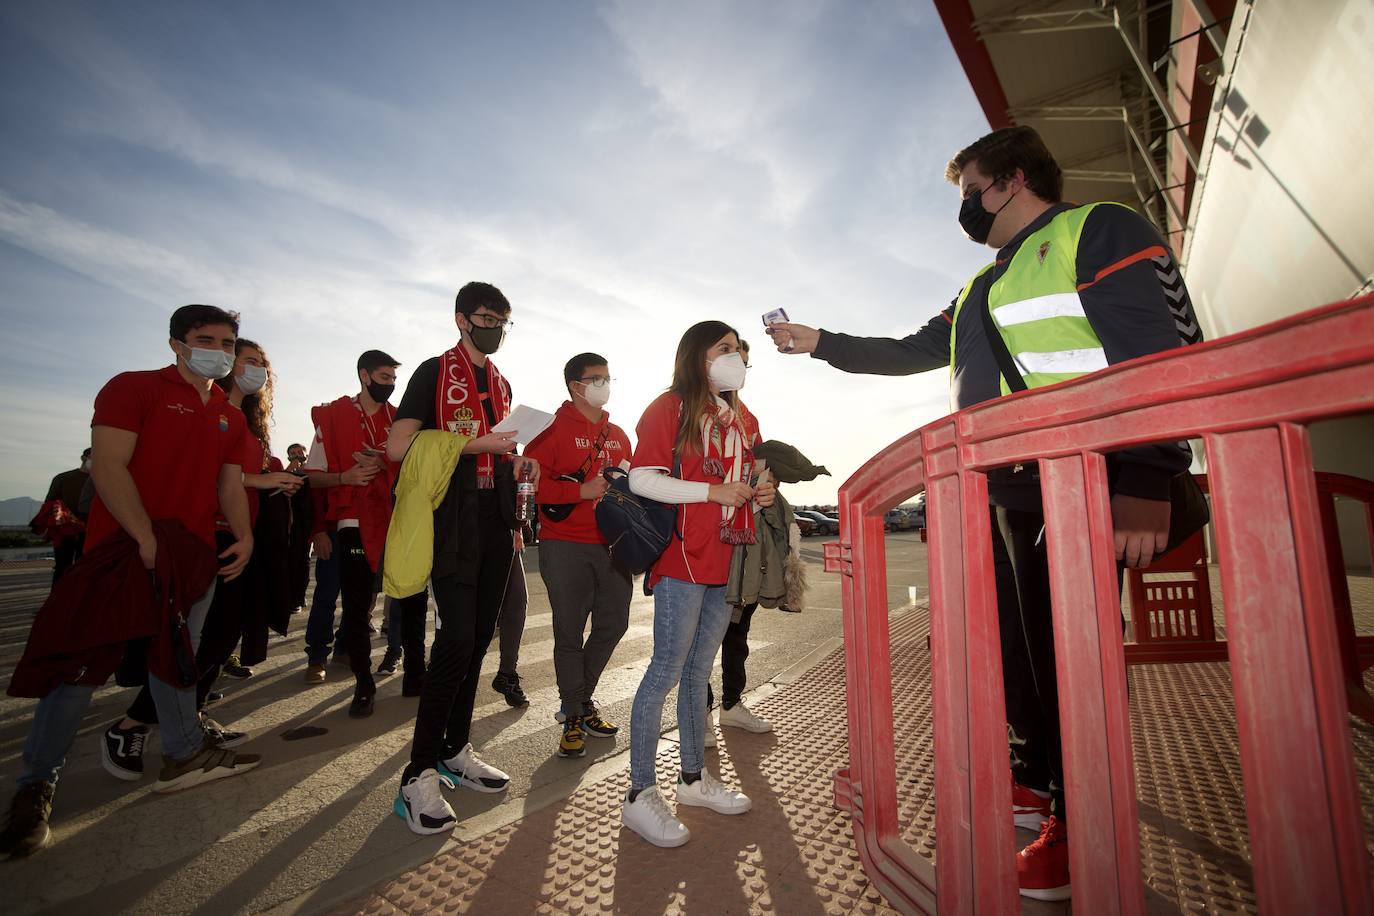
582,581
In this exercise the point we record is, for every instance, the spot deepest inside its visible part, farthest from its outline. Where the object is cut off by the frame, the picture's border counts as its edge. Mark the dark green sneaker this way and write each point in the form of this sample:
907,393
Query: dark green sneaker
27,831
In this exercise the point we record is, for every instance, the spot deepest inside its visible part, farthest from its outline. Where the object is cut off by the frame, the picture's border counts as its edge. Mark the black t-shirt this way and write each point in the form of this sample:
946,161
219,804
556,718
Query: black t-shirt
419,403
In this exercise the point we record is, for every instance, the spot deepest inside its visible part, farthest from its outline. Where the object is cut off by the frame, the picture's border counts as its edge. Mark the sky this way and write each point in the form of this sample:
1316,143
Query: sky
335,171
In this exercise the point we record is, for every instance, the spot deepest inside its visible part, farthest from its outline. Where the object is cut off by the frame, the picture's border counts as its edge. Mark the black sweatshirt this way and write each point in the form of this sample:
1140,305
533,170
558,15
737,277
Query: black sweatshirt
1133,296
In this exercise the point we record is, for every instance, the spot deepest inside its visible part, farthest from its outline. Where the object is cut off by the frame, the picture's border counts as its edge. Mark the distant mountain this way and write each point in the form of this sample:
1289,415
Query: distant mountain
18,511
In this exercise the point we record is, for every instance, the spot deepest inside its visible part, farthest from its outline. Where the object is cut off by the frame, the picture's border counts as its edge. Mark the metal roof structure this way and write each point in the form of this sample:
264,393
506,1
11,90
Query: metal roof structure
1121,91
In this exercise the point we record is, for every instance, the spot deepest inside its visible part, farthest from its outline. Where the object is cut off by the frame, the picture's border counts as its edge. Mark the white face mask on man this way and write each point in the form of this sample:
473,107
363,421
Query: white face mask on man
207,363
727,372
597,395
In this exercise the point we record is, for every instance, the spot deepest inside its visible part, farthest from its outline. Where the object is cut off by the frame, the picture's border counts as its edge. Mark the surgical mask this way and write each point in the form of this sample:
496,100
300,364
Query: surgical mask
597,395
487,340
727,372
252,380
207,363
379,392
976,220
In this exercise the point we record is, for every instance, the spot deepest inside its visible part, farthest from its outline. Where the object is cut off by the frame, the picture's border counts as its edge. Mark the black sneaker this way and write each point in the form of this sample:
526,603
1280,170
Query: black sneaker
121,751
26,831
413,687
219,735
364,701
389,662
213,697
508,685
233,667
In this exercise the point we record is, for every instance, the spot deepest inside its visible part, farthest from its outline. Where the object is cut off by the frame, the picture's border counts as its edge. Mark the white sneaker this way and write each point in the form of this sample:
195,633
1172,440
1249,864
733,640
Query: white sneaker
710,729
709,792
465,768
648,816
741,716
422,804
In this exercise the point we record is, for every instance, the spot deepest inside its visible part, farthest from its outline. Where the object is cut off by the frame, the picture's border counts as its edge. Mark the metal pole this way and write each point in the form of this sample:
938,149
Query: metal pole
1157,91
1151,167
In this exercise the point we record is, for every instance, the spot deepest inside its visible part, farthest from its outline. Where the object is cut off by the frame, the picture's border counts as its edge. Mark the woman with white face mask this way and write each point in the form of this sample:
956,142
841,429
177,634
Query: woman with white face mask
693,451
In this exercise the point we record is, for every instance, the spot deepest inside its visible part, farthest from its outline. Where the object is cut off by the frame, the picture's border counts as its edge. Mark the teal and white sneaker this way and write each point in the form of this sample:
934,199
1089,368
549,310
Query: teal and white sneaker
466,769
422,805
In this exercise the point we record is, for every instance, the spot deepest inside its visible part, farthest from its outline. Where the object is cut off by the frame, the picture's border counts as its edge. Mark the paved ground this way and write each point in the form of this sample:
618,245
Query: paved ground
313,824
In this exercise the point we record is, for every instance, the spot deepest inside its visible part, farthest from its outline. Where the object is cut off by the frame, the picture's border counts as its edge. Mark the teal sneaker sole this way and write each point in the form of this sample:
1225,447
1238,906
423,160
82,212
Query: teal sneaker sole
399,806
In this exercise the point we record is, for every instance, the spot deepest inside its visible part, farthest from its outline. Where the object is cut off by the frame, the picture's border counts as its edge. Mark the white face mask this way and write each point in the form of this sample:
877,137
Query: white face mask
596,395
210,364
727,372
252,380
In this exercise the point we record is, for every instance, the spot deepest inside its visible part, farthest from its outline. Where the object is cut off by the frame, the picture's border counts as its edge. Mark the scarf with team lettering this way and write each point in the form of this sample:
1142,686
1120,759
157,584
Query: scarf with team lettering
727,455
458,405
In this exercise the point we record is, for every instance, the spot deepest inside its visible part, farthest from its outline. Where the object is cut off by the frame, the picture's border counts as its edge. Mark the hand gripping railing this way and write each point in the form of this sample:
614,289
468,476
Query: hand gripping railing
1250,397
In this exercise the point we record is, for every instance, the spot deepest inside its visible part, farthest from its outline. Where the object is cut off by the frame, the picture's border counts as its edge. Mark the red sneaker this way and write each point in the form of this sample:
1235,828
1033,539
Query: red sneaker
1029,808
1042,868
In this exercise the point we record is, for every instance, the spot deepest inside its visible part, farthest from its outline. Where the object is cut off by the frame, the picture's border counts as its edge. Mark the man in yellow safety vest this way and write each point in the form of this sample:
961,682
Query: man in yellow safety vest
1073,289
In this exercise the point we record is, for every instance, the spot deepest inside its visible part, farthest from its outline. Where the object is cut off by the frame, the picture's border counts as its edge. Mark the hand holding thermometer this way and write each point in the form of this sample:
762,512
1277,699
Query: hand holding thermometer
777,316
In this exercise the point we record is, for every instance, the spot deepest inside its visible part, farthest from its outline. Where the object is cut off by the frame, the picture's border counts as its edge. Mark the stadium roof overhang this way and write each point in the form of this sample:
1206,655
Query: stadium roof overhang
1121,92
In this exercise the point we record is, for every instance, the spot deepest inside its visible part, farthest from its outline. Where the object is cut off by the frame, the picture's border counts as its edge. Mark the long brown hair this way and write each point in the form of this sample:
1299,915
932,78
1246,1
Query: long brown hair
690,381
257,407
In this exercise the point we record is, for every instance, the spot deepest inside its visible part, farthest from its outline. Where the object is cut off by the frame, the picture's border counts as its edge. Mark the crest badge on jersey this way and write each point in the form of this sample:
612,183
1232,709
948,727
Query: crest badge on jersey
223,423
1044,250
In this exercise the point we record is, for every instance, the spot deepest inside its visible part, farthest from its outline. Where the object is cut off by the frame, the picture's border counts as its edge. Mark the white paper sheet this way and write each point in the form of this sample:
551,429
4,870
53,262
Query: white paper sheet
525,422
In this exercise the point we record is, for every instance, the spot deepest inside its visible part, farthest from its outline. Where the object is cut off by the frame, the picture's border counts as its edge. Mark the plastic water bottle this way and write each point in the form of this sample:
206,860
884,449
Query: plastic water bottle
524,493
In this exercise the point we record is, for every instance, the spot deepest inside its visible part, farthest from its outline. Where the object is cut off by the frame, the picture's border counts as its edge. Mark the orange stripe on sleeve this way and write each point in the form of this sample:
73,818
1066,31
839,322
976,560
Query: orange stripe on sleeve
1153,251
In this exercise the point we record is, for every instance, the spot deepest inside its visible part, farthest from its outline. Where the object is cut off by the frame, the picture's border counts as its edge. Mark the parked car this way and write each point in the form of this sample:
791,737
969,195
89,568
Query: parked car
805,525
896,520
825,524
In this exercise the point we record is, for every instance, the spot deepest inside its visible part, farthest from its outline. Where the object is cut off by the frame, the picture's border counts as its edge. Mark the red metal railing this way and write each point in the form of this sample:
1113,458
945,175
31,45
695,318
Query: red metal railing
1249,396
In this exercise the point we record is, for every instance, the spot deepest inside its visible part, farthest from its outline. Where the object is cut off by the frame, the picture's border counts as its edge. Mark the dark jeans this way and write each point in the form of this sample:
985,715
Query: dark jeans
582,581
319,626
514,607
218,637
734,652
467,615
65,554
409,616
357,580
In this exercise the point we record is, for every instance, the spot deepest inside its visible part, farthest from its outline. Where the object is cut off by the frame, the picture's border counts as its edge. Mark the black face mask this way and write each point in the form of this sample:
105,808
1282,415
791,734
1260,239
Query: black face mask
976,220
379,392
487,340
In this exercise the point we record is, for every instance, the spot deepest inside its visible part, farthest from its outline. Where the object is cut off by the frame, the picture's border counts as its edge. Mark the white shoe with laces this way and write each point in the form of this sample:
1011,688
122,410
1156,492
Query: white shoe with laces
421,802
741,716
467,769
648,815
709,792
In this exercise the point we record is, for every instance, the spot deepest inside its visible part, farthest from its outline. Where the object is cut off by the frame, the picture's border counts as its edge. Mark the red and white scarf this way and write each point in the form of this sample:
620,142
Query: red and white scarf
458,405
726,451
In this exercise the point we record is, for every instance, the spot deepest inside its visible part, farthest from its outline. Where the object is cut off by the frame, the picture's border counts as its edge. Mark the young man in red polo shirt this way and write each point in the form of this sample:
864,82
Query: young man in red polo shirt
349,461
574,561
165,445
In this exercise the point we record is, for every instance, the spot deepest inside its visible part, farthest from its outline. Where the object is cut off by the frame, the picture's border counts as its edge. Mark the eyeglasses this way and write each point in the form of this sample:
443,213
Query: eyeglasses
596,381
491,321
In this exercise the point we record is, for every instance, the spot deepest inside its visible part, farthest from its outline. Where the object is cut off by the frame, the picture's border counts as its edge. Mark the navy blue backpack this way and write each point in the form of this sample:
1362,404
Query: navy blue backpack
636,529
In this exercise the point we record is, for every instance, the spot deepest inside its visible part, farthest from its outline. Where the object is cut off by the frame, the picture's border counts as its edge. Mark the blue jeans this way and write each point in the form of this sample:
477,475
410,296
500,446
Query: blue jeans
689,624
319,626
59,715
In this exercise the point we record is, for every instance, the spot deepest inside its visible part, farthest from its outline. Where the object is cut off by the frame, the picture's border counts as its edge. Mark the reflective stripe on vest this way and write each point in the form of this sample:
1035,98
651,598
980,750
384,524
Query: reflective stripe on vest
1036,307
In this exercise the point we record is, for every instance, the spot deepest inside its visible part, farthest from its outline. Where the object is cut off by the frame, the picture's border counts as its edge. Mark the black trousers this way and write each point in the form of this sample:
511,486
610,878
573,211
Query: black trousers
65,554
414,613
1029,676
357,588
467,614
734,652
218,637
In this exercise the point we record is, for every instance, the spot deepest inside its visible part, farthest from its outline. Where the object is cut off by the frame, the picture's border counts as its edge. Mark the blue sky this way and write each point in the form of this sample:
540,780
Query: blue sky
336,171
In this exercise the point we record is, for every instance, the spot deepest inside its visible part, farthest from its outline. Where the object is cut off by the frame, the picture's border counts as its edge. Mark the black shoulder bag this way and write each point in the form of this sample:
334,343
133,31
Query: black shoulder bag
1188,511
